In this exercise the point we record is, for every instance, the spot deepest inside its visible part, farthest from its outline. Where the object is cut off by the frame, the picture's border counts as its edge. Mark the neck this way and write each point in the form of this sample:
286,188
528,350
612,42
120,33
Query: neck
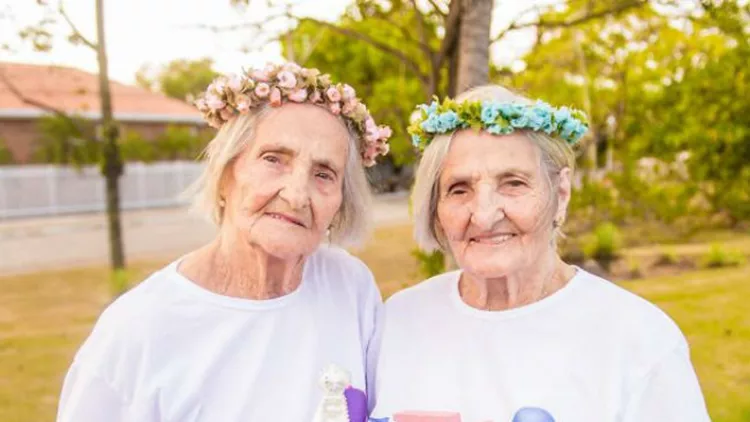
234,268
548,275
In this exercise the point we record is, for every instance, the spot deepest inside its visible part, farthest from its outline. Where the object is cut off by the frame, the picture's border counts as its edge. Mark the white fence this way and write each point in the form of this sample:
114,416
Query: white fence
27,191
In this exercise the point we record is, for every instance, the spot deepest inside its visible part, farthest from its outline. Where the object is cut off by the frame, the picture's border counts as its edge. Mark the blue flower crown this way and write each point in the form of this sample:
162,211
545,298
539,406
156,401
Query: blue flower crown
496,118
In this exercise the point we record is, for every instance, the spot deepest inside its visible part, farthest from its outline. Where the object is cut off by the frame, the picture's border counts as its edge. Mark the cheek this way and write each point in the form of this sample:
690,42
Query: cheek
453,218
255,188
326,203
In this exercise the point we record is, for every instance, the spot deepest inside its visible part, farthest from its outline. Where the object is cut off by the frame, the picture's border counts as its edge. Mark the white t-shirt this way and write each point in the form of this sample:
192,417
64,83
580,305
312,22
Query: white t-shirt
591,352
170,350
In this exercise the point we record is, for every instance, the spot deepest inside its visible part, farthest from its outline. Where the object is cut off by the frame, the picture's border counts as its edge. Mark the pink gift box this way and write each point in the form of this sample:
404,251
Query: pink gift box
427,417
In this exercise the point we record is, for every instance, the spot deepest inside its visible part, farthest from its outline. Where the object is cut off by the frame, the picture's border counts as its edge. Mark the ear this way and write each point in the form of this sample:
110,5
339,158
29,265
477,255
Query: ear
563,193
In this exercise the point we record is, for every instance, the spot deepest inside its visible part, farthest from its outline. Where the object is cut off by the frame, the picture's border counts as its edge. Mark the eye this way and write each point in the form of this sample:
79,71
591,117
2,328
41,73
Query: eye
516,183
324,176
271,158
457,190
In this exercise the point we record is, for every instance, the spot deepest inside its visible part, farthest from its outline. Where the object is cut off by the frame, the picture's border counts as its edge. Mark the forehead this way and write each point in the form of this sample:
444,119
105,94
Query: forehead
472,153
305,129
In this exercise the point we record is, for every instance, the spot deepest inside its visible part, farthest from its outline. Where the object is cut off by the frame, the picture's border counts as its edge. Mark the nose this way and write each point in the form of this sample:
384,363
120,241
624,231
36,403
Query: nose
295,190
486,208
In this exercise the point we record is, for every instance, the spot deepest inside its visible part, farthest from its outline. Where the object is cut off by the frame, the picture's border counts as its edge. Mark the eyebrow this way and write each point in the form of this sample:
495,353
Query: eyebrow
463,177
281,149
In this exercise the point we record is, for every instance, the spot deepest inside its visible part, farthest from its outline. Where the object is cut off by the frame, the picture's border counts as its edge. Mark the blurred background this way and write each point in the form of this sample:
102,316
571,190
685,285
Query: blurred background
98,138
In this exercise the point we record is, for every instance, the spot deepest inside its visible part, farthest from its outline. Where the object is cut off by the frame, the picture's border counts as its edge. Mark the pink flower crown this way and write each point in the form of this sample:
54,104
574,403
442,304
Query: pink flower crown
228,96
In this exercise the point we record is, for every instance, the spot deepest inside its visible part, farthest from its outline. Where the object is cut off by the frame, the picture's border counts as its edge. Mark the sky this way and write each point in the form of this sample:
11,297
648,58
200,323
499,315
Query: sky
155,32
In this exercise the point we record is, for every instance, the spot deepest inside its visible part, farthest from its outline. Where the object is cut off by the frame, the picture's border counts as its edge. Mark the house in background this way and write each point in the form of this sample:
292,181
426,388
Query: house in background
76,93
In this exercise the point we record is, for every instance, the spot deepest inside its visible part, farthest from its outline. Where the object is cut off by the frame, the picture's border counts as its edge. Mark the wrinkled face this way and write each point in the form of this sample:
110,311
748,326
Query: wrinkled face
495,205
284,190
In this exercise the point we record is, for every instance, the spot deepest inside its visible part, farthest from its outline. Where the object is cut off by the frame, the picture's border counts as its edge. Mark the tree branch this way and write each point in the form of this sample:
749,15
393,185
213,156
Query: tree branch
77,35
572,22
422,30
437,8
451,34
411,64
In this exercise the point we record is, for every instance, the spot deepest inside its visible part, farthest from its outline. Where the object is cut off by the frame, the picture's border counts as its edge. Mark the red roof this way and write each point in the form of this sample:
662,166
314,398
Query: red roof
77,92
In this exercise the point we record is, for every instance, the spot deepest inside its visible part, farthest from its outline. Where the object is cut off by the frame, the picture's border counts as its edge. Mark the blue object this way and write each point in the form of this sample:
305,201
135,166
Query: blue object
532,414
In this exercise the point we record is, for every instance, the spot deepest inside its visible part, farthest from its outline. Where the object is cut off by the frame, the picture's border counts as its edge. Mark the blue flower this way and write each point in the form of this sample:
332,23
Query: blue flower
562,115
570,127
416,140
430,125
520,122
429,109
448,121
489,113
496,129
511,111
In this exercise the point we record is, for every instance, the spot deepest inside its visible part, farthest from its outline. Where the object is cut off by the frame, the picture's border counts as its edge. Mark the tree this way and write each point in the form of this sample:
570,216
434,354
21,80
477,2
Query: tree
111,167
181,79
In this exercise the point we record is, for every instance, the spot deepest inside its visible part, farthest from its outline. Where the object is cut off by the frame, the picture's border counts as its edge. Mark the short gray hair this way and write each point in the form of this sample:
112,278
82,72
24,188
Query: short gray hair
350,226
555,156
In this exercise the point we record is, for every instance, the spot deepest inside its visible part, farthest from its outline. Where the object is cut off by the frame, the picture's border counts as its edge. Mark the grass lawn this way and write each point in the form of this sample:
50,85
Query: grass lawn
45,316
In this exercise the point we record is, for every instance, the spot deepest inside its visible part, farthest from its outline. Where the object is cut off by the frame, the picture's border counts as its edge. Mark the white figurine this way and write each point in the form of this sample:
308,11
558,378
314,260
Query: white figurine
332,407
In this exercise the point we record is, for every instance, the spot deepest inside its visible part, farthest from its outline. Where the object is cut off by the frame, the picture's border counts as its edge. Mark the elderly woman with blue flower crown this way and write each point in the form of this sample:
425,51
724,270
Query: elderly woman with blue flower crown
243,328
516,334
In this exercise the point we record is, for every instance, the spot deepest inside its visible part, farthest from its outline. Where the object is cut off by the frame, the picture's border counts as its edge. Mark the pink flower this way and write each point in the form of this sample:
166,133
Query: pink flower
226,114
275,97
298,95
372,137
260,75
262,90
214,102
286,79
370,125
385,132
333,94
348,92
316,97
201,104
243,103
235,83
335,108
350,106
218,86
292,67
384,149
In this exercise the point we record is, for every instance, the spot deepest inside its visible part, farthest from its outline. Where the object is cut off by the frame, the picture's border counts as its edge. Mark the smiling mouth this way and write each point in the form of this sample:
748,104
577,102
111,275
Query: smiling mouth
493,239
286,218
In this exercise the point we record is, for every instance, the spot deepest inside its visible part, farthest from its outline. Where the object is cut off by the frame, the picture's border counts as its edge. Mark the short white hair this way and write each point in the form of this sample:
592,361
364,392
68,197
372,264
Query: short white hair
349,227
555,156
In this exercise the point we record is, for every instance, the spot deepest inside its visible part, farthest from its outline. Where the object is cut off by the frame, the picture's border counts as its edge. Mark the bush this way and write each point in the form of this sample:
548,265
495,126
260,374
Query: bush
667,257
430,264
718,257
603,245
5,155
135,148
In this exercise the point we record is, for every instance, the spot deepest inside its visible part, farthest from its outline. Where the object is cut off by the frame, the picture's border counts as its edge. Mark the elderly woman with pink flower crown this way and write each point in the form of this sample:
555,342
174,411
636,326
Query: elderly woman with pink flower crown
242,328
516,334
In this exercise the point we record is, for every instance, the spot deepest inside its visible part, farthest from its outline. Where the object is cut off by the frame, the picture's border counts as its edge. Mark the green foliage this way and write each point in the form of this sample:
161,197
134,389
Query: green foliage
718,256
67,140
134,147
6,157
604,244
389,88
668,257
179,143
430,264
180,79
118,282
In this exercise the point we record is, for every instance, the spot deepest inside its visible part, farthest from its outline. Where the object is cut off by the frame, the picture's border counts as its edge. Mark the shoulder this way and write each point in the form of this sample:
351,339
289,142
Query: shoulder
341,270
124,325
644,324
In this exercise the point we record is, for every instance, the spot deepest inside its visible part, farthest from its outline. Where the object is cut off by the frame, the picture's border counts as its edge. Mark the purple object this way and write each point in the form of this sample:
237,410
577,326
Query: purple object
532,414
356,403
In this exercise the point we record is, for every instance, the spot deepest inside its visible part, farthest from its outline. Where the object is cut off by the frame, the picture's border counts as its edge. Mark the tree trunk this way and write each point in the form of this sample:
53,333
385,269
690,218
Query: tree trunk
473,67
112,165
